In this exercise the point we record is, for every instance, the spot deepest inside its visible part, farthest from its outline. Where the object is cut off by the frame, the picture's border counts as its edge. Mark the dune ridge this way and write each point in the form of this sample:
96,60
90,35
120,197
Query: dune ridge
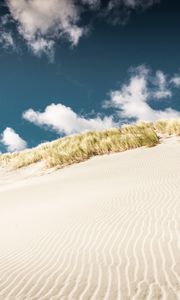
80,147
107,228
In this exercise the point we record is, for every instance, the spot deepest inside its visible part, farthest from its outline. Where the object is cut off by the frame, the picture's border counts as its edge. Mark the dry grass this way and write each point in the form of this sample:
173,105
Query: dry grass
77,148
167,128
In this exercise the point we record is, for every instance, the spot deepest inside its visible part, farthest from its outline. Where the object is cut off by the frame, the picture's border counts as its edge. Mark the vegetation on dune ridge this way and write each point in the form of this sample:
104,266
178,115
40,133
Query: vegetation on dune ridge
77,148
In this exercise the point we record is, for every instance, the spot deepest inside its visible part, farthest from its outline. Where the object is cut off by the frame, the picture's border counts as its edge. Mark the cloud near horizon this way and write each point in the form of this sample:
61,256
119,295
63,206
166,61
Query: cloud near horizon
41,26
64,120
129,103
12,141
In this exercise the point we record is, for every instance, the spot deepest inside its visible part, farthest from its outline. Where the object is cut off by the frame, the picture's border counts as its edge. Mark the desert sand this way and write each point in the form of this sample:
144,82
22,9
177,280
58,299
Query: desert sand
107,228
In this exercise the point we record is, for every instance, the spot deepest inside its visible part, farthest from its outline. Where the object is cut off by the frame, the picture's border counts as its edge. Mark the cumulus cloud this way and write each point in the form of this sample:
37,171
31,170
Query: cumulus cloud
64,120
12,141
131,101
43,23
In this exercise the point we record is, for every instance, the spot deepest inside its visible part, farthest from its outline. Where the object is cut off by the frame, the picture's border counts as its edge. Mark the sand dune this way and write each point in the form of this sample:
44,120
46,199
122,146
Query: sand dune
108,228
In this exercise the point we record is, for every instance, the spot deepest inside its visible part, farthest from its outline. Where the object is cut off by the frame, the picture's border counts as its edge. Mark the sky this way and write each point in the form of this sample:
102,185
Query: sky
69,66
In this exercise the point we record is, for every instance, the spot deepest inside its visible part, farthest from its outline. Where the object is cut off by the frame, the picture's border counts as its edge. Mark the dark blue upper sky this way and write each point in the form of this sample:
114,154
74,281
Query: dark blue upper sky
82,76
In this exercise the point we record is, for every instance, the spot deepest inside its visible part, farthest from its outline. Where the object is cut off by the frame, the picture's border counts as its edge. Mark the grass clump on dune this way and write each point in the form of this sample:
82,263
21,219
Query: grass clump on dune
76,148
171,127
81,147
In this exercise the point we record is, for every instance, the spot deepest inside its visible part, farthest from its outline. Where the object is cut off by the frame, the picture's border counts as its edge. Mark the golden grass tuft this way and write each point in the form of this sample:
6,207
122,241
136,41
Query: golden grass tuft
171,127
77,148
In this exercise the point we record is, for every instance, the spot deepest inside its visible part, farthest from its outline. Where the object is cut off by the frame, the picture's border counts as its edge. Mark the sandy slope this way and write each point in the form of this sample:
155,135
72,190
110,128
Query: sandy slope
108,228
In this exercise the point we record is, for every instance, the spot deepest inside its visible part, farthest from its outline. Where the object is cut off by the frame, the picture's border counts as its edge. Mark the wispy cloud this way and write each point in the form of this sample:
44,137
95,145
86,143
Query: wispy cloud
12,141
132,3
6,35
6,40
162,86
176,80
119,11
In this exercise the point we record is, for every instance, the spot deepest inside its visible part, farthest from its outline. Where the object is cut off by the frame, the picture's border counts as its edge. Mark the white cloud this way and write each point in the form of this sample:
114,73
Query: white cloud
64,120
41,24
12,141
6,40
176,80
131,101
161,82
42,45
6,36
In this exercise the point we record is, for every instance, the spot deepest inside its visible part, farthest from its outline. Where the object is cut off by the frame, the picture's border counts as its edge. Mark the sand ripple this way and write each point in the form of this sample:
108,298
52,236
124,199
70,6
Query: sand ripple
108,229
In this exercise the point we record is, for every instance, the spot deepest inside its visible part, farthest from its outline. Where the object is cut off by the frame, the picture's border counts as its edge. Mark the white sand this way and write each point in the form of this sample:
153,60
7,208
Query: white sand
108,228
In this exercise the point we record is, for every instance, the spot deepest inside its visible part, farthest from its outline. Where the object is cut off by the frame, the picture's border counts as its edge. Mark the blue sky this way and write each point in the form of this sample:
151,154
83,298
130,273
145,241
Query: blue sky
68,67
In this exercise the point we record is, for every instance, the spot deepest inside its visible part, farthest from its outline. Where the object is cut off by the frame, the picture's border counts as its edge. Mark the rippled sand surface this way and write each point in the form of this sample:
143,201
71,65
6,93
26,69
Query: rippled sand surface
108,228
